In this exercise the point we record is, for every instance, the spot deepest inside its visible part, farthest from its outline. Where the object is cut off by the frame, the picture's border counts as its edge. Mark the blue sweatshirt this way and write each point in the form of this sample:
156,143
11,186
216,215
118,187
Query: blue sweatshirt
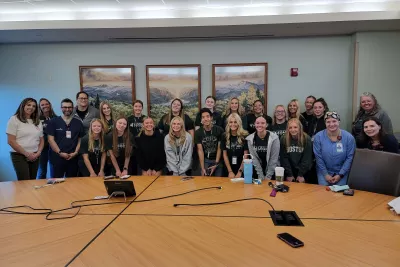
333,157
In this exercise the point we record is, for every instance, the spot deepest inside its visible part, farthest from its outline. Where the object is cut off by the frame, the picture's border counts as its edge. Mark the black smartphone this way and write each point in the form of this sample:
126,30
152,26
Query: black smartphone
290,240
348,192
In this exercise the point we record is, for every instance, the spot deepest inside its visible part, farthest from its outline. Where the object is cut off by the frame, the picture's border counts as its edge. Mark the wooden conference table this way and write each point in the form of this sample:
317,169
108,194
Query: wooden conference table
338,230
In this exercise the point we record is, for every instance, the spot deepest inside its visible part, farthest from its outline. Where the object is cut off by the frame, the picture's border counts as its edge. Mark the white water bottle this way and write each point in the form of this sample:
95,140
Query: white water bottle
248,169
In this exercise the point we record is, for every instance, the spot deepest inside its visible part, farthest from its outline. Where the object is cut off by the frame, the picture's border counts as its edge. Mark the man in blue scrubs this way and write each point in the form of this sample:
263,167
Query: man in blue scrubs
64,135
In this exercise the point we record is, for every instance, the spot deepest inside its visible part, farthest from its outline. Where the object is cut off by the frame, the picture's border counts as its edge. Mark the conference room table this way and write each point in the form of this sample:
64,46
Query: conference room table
148,230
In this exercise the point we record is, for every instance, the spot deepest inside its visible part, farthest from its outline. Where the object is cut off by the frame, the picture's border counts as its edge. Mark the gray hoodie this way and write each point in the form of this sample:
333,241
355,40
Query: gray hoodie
272,155
93,113
179,162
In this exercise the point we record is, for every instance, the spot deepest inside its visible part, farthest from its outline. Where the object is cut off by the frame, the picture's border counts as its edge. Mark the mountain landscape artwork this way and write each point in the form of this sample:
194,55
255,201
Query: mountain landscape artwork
164,83
248,82
114,84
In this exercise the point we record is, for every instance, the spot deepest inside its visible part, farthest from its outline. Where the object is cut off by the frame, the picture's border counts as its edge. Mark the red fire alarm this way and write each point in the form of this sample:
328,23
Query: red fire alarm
294,72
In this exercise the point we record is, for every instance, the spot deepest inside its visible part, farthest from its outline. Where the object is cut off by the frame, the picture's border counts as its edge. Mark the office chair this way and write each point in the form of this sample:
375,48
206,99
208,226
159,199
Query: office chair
375,171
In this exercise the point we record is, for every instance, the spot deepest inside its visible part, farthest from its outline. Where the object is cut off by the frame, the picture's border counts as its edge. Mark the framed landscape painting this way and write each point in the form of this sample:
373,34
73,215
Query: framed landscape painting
115,84
247,81
166,82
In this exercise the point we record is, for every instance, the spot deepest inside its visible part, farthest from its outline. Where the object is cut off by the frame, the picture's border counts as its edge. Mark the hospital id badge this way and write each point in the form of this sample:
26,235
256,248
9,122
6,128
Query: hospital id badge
68,134
234,160
339,147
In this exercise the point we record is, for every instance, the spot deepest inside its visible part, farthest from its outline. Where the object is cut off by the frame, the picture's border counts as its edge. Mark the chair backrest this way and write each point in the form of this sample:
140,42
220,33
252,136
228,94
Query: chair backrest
375,171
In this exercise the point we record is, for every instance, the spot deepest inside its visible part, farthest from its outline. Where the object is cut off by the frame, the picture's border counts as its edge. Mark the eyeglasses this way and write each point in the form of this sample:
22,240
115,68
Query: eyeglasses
82,98
366,94
67,107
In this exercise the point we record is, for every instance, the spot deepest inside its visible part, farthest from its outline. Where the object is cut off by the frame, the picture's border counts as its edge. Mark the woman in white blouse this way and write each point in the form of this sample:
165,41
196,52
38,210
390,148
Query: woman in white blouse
25,136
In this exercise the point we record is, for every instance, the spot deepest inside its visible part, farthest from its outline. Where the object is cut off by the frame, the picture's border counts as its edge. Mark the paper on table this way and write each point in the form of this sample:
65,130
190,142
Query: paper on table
395,204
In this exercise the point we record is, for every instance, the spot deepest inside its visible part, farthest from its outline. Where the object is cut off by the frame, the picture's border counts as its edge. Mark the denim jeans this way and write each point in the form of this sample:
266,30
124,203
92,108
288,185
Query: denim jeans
43,161
209,163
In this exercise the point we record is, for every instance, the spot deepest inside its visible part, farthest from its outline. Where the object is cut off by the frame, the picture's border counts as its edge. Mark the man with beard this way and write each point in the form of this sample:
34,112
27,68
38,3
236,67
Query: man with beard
64,136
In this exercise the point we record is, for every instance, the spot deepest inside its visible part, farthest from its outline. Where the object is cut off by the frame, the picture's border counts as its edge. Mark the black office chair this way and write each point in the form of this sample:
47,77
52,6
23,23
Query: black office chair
375,171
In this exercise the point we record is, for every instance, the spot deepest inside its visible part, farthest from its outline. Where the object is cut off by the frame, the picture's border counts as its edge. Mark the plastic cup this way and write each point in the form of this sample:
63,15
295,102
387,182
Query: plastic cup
279,174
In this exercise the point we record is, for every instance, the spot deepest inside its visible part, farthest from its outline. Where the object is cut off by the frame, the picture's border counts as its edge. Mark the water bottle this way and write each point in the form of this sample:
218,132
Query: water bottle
248,169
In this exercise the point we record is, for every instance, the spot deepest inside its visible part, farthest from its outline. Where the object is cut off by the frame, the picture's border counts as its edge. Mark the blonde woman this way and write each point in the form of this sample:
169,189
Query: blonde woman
279,122
150,149
106,116
232,107
93,151
234,146
176,110
296,152
178,147
293,111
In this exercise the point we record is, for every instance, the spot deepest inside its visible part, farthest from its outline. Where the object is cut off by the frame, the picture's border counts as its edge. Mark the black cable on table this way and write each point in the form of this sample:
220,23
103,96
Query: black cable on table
224,202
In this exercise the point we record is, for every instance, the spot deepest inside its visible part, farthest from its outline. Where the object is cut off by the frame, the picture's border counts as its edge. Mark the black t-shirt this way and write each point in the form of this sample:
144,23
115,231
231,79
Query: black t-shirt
234,149
307,117
110,125
209,140
279,129
95,155
135,124
82,114
261,147
251,120
217,119
164,126
121,147
316,125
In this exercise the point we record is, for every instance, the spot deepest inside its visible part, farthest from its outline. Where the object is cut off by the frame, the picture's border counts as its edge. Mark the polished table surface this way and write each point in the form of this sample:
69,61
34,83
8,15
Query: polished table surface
339,230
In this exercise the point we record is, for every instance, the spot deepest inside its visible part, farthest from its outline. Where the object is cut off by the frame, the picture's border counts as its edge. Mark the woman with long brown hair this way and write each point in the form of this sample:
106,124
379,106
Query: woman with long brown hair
25,136
176,110
120,143
317,123
106,116
374,137
46,113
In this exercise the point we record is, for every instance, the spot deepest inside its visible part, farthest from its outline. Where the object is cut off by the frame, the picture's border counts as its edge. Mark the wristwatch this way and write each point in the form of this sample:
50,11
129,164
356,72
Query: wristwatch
341,175
241,170
125,168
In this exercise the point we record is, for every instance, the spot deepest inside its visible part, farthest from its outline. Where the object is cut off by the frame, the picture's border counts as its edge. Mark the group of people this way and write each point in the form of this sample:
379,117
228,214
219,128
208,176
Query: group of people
85,141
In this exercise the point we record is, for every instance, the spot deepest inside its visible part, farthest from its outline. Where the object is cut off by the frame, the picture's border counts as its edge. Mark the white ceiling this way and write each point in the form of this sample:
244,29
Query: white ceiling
105,20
